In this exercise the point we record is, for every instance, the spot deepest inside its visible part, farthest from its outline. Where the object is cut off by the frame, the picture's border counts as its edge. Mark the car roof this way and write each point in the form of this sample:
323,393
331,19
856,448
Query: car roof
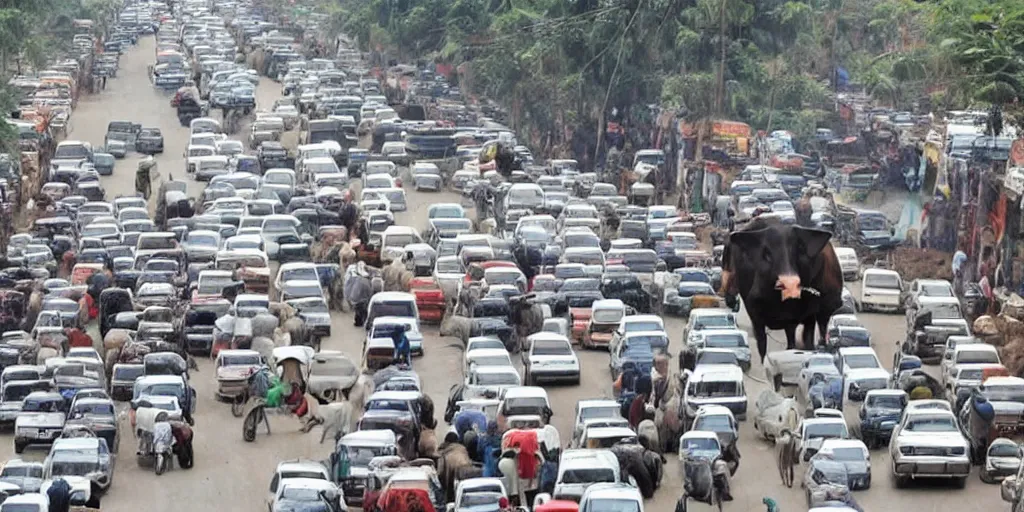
857,351
843,443
525,391
867,373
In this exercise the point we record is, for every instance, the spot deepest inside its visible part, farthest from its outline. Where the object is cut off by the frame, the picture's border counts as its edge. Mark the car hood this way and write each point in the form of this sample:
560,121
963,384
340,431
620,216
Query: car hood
856,467
316,318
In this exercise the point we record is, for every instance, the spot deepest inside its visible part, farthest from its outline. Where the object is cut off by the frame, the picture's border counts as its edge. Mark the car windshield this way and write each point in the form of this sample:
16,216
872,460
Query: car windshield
936,290
62,306
360,456
651,325
240,360
19,507
27,470
92,410
403,309
1005,393
399,240
931,424
977,357
302,290
311,306
943,311
497,379
588,475
700,444
712,389
713,423
551,348
860,361
590,413
74,467
872,223
387,405
449,267
128,372
161,390
724,341
848,454
887,281
300,494
71,151
887,401
717,321
1004,450
830,430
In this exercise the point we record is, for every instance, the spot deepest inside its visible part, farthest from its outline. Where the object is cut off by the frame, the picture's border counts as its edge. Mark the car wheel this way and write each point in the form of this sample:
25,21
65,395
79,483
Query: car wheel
19,447
985,477
960,482
777,383
867,483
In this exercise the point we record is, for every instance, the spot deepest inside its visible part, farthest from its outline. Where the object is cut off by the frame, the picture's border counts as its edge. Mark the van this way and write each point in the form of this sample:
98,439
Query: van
720,385
848,262
880,290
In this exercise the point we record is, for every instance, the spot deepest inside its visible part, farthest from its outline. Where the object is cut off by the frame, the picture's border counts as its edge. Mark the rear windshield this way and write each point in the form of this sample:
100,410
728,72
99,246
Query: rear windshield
551,348
394,308
888,281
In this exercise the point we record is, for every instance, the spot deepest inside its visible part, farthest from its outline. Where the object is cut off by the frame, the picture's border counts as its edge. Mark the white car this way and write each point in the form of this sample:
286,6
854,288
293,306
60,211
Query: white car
299,493
880,290
593,412
550,357
712,318
856,358
928,444
814,432
296,469
967,354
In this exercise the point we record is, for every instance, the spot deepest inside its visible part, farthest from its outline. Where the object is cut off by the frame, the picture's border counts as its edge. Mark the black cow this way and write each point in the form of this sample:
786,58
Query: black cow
786,275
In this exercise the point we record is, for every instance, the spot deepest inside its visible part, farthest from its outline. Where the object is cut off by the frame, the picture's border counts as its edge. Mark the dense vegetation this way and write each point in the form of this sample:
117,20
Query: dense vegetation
565,64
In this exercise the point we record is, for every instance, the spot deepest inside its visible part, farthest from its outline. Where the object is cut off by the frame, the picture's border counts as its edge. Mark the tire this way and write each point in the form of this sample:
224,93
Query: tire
983,476
238,406
251,423
960,482
777,383
19,447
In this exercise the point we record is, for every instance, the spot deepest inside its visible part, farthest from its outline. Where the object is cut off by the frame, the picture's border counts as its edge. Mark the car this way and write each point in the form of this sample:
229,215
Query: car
150,141
710,318
382,326
928,444
306,493
855,358
41,420
596,412
297,468
880,290
27,475
817,364
97,415
926,288
116,148
734,340
550,357
824,478
104,163
814,432
81,458
579,469
966,354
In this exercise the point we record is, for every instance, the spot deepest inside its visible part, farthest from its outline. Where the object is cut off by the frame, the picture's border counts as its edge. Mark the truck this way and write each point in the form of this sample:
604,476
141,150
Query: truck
430,144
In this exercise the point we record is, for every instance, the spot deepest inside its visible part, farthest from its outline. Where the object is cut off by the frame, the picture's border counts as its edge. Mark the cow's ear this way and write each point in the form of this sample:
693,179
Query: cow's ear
812,240
746,240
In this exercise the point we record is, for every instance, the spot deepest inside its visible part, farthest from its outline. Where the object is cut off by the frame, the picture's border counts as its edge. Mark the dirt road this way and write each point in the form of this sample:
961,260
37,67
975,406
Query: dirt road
230,474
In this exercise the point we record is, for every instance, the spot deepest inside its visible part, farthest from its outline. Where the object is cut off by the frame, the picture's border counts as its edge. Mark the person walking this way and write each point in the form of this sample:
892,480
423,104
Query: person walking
403,350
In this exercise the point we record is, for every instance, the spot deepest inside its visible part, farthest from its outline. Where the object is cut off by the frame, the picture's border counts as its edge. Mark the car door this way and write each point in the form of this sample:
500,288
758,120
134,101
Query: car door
946,367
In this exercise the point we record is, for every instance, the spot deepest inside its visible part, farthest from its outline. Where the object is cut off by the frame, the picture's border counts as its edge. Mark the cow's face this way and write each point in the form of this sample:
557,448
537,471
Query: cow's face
779,255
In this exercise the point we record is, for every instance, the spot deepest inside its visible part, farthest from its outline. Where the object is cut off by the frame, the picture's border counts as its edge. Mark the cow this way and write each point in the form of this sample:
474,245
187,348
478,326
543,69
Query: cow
788,276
